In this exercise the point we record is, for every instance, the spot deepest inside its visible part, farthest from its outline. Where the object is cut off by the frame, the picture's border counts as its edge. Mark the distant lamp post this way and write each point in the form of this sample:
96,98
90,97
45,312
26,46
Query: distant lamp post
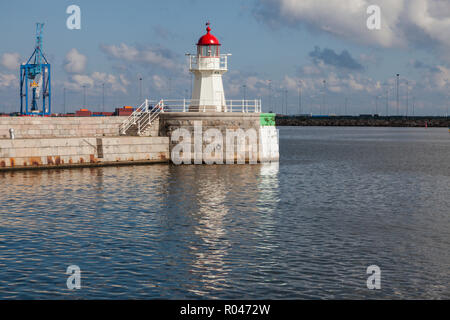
300,97
84,96
387,100
407,98
398,101
323,97
376,104
192,79
286,100
103,97
346,104
140,90
170,87
448,102
64,99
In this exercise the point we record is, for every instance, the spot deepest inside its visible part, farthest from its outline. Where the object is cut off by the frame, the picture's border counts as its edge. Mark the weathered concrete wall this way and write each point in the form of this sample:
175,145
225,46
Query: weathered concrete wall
61,152
44,127
245,150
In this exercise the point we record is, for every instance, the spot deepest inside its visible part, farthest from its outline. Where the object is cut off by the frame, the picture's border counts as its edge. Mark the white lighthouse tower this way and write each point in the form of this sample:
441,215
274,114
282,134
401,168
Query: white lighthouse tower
208,66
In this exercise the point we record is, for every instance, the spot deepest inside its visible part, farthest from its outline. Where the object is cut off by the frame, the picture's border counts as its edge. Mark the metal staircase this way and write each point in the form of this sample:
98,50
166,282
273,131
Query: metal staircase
139,123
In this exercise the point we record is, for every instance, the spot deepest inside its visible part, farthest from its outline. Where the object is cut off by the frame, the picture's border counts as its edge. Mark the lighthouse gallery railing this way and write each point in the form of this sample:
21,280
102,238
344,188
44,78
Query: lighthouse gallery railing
222,63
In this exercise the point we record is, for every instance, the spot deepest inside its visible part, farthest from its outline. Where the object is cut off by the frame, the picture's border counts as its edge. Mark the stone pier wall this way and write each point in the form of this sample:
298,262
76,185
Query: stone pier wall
67,152
47,127
169,122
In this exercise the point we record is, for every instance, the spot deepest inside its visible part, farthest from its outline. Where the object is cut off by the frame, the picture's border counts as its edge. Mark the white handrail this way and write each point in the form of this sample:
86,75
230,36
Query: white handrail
182,105
142,117
133,117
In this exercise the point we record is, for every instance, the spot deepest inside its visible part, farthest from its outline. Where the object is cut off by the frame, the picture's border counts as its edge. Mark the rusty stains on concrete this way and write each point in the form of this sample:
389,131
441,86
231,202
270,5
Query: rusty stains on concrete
162,156
30,159
35,161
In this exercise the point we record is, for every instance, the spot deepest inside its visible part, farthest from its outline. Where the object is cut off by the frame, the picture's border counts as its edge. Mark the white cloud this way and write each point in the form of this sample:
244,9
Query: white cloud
159,82
75,62
421,14
312,77
11,61
402,22
116,84
95,82
124,80
155,56
437,80
234,81
8,80
82,80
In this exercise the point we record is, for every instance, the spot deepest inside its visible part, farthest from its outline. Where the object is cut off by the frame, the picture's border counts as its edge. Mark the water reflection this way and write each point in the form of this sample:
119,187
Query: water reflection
306,228
209,264
218,202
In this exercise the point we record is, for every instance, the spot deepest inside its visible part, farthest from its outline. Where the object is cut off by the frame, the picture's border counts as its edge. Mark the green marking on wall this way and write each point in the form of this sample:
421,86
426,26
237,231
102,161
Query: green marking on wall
267,119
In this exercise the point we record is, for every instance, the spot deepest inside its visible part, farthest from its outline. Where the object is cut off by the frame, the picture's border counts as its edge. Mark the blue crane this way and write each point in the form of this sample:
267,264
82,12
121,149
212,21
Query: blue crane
35,84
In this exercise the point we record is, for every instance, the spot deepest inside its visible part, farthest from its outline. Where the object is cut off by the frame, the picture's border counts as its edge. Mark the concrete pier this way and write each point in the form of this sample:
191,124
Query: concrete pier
48,127
262,148
56,142
87,151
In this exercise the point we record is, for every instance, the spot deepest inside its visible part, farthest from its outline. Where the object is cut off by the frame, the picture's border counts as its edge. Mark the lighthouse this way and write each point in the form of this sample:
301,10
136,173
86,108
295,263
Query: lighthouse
207,128
208,65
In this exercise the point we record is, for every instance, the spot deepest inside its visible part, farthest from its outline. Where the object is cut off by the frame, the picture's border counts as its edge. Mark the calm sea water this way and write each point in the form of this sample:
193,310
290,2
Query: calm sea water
340,199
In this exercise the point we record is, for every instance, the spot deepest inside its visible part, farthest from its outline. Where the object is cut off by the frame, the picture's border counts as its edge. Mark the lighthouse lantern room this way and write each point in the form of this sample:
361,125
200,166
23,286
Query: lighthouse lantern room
208,66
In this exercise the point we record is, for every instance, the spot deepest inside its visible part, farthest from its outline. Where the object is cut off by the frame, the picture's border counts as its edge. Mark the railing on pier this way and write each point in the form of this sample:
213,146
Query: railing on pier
142,117
149,111
203,105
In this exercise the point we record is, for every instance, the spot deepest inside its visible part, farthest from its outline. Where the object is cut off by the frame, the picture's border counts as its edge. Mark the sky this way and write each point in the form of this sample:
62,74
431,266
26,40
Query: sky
321,50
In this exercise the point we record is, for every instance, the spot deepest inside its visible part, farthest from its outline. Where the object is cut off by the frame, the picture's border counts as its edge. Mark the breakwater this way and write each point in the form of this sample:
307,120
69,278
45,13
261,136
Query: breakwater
362,121
62,142
59,127
204,137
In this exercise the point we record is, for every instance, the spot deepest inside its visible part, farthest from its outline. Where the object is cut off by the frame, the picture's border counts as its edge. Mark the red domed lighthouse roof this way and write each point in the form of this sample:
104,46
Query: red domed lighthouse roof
208,38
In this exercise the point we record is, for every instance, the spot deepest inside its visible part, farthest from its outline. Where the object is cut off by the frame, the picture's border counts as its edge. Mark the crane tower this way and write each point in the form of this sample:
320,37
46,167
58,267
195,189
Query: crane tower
35,84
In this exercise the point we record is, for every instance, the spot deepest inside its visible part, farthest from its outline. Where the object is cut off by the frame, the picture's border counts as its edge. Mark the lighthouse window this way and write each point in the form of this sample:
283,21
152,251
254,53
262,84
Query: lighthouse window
215,50
208,51
205,51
